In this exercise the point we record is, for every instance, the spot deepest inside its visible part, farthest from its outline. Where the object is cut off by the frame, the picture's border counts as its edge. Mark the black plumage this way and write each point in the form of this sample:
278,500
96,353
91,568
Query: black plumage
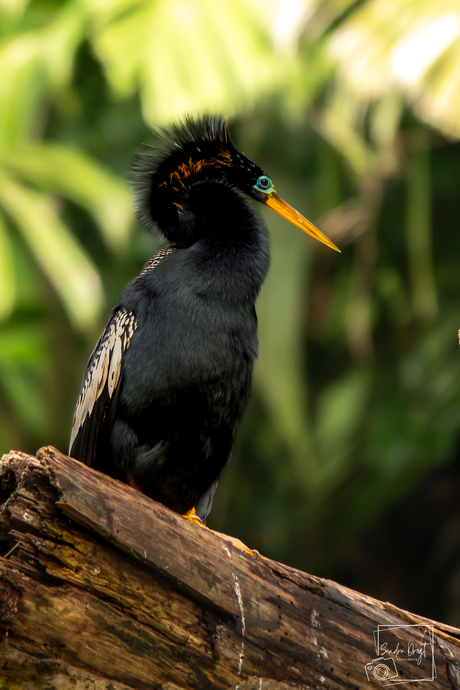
168,380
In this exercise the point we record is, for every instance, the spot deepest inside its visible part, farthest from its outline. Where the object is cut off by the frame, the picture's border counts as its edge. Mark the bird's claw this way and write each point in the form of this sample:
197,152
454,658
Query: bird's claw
237,543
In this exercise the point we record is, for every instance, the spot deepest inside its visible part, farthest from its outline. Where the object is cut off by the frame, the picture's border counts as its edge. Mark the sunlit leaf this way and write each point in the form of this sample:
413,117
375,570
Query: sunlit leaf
184,55
66,265
21,86
7,278
13,8
405,46
74,175
30,64
337,123
59,42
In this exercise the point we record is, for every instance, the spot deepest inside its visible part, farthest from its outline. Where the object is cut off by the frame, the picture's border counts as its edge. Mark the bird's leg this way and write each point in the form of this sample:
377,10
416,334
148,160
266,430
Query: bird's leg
193,517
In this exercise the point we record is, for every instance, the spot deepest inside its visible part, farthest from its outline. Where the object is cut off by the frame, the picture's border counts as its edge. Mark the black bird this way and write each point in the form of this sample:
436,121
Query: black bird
168,380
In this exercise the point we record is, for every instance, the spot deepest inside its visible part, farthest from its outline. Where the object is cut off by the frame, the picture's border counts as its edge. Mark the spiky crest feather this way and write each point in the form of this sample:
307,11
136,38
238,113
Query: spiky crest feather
176,153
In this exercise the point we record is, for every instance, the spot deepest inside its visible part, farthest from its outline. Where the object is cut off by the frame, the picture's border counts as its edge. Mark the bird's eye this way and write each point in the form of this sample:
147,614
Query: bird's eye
264,184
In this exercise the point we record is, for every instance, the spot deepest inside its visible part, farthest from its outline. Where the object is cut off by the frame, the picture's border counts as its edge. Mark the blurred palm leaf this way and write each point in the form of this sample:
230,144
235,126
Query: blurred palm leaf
419,233
340,411
21,87
56,251
13,8
23,354
7,278
32,64
278,373
405,46
73,175
183,55
35,64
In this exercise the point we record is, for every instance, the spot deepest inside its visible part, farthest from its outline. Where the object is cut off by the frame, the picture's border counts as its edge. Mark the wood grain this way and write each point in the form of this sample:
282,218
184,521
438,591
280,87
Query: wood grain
101,588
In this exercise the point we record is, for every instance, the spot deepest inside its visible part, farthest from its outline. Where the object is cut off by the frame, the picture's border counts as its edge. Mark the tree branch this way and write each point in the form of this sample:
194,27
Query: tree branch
100,588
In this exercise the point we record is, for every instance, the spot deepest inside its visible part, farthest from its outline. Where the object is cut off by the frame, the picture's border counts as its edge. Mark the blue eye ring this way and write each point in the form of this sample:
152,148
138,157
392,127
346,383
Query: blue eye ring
264,184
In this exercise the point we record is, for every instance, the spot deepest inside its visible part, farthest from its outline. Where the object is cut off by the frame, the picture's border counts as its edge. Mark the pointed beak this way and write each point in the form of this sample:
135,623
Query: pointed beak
277,204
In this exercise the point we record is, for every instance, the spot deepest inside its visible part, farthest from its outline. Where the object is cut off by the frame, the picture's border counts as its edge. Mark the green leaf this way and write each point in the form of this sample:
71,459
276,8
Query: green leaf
338,125
11,12
62,259
22,358
278,372
341,408
184,56
419,233
74,175
7,281
59,42
30,64
408,47
21,88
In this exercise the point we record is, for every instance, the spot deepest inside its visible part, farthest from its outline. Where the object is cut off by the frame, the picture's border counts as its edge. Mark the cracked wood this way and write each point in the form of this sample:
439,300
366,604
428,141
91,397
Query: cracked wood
100,587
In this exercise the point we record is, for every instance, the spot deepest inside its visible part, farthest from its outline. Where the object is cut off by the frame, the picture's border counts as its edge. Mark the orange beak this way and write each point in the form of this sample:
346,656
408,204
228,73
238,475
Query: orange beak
277,204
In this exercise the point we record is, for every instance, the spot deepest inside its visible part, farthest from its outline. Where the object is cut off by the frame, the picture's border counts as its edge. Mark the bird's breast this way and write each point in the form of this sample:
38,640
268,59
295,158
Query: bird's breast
183,343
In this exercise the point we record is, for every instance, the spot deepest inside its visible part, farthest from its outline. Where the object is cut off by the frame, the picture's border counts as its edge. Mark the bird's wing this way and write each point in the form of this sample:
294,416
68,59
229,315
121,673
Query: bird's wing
100,383
102,378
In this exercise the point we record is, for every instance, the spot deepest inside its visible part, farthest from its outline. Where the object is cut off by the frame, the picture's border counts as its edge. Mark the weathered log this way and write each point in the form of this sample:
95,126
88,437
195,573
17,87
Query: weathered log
102,588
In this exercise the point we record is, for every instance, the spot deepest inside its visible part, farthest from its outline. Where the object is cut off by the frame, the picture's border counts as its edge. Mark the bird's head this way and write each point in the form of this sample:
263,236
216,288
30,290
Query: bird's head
191,153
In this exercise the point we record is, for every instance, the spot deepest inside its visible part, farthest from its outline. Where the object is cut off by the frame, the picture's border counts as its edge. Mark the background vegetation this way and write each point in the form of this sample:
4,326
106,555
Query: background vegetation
347,463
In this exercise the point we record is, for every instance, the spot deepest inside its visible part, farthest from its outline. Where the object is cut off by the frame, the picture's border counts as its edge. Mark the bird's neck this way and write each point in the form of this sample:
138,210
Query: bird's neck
227,241
232,255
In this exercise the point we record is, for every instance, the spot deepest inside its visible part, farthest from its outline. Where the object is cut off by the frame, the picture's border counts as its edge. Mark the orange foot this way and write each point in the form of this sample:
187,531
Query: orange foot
193,517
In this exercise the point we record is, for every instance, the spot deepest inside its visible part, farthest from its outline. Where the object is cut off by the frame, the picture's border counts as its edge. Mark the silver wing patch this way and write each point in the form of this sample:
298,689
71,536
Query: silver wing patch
104,367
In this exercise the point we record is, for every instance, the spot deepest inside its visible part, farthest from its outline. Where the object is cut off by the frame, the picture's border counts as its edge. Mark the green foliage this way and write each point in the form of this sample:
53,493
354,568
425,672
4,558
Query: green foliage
182,56
356,398
404,46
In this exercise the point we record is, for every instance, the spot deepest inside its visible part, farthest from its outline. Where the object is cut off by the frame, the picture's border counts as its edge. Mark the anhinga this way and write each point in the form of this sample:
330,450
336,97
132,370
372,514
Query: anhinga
168,380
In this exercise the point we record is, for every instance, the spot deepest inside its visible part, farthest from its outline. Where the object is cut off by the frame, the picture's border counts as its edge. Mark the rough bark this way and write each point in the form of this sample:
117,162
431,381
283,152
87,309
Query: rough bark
102,588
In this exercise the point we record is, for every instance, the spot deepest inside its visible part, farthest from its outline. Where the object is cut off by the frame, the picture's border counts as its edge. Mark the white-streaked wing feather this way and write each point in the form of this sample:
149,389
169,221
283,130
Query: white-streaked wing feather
155,260
104,366
115,368
103,373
